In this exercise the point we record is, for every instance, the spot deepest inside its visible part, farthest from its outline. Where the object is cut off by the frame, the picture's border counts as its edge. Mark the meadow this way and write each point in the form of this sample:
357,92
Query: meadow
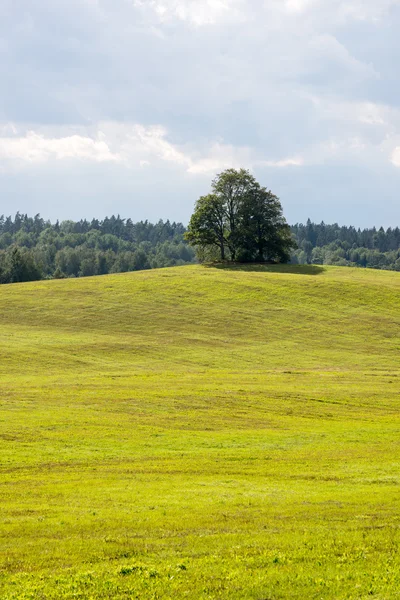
201,433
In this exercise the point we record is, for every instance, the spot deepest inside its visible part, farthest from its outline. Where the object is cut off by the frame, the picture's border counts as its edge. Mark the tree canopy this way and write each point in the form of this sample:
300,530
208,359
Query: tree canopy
33,248
240,221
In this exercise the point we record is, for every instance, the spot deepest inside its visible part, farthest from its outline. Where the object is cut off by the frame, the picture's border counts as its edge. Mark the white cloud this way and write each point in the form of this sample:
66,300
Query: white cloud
351,113
212,12
395,158
131,145
221,156
371,114
327,48
341,10
34,147
285,162
365,10
193,12
298,6
152,141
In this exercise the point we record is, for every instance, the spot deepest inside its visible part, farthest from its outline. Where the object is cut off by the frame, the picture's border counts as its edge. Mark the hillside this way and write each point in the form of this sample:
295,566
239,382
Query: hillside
201,432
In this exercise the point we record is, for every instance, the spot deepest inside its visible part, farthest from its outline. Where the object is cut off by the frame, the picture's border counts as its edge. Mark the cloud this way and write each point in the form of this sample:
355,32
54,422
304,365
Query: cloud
35,148
169,92
130,145
285,162
193,12
299,6
339,11
395,158
330,51
152,142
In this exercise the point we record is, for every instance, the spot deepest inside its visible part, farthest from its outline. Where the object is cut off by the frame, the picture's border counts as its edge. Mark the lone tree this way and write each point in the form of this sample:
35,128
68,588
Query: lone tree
240,221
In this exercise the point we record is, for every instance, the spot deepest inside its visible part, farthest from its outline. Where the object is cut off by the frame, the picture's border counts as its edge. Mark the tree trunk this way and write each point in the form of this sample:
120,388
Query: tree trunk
260,244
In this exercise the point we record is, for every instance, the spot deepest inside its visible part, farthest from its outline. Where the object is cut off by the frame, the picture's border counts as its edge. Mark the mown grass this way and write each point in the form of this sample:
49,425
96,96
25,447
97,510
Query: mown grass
201,433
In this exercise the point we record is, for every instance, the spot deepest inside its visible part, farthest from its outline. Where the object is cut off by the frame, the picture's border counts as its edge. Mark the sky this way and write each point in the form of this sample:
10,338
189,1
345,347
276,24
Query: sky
132,107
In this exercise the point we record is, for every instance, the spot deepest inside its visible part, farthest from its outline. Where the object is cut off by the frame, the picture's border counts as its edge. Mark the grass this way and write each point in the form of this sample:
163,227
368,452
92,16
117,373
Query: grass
201,433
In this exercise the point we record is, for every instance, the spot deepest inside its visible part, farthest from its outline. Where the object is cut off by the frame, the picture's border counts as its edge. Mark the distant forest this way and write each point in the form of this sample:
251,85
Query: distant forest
322,244
32,248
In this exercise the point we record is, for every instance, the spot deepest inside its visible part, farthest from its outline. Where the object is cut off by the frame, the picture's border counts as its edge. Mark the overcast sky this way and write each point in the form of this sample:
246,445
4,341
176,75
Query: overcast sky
133,106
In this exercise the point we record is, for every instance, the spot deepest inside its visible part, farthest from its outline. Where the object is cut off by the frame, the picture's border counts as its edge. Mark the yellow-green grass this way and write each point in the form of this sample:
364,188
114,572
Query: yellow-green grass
199,432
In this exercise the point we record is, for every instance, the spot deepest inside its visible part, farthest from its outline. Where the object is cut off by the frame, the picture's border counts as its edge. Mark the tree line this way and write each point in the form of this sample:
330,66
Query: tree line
32,248
346,246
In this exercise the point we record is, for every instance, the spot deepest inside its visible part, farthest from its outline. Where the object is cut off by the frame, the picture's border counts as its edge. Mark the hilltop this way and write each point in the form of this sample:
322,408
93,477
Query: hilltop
214,432
32,248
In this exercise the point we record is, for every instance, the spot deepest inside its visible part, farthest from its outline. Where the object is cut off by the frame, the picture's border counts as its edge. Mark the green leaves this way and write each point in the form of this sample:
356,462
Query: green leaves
207,224
241,220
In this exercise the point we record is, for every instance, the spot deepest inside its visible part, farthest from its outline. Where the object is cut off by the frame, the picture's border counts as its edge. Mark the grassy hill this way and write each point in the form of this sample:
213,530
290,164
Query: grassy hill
199,432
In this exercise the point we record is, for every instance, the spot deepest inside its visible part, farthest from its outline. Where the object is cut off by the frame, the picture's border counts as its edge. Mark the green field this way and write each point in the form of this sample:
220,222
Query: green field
199,432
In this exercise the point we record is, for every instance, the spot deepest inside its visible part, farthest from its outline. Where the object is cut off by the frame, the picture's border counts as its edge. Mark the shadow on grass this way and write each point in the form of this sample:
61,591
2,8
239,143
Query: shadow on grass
269,268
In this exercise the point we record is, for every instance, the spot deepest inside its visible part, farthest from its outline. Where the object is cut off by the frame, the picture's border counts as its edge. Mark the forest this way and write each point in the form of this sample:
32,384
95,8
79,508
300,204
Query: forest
33,248
323,244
